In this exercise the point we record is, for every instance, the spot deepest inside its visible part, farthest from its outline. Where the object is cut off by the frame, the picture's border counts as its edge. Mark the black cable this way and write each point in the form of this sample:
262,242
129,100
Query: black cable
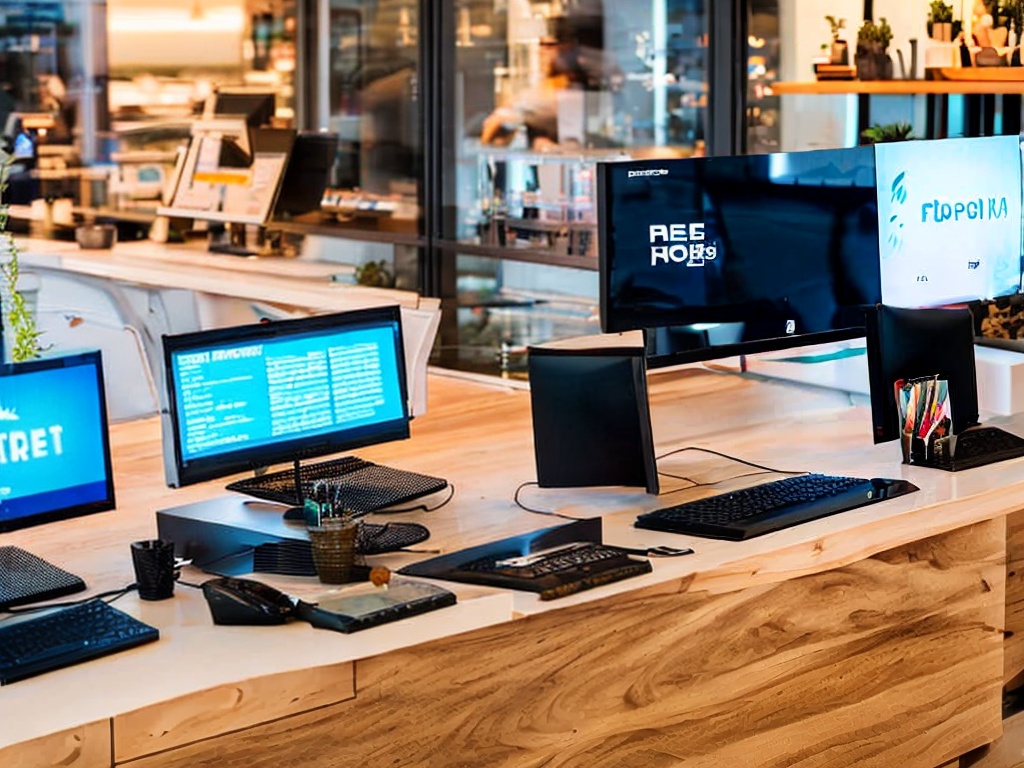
548,512
731,458
113,594
418,507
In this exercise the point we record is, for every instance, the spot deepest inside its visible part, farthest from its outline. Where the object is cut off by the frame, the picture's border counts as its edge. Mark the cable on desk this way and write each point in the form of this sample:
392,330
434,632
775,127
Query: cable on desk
419,507
730,458
548,512
113,594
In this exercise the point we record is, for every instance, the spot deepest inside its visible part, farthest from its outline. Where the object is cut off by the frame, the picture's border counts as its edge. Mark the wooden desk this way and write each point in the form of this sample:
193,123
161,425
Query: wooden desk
873,638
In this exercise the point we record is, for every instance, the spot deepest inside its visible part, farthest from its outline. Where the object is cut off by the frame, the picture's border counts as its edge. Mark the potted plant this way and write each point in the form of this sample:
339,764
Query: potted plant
20,321
880,134
839,52
940,21
873,60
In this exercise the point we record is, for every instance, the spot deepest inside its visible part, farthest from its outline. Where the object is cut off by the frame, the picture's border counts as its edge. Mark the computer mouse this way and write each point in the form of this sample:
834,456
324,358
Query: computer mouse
244,601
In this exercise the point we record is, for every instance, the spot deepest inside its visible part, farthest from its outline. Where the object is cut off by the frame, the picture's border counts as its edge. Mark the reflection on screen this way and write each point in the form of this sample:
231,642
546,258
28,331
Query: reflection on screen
53,453
950,231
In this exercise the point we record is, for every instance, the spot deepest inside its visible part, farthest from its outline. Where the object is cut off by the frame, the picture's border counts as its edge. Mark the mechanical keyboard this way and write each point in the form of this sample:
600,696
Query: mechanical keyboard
977,447
65,637
771,506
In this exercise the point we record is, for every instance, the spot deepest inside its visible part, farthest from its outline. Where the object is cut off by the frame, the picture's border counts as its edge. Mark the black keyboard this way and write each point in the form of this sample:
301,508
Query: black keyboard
979,446
769,507
65,637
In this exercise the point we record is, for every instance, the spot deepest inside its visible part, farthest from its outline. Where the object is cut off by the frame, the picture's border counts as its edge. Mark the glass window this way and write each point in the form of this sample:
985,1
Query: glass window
542,92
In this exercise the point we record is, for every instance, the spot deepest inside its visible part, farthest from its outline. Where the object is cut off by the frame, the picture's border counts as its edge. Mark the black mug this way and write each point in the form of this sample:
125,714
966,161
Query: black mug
154,568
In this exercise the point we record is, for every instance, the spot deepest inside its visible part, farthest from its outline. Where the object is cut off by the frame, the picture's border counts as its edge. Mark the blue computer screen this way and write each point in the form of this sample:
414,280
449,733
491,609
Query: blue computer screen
254,395
54,456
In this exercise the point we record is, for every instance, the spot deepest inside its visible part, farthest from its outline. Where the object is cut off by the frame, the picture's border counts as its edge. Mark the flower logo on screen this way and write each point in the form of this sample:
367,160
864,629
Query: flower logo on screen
897,199
7,414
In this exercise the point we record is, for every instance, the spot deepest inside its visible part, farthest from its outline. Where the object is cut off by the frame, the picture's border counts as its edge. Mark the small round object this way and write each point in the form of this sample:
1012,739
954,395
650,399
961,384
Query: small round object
380,576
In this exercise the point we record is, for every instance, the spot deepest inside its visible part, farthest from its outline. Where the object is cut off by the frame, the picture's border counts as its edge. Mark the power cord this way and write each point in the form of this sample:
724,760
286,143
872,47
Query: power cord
730,458
113,594
533,510
419,507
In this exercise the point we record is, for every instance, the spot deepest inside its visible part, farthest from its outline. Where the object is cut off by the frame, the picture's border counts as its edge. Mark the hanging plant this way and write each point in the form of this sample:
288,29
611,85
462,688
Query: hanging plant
18,317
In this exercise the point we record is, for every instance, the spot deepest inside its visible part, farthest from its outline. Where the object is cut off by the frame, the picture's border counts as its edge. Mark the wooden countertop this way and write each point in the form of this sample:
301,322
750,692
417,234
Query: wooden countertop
295,282
478,436
898,87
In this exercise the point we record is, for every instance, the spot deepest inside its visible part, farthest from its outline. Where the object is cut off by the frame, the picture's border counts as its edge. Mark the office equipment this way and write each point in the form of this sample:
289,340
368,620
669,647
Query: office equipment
232,535
306,177
255,107
591,423
365,605
768,507
729,255
906,344
67,636
244,601
250,396
950,231
54,444
552,562
26,578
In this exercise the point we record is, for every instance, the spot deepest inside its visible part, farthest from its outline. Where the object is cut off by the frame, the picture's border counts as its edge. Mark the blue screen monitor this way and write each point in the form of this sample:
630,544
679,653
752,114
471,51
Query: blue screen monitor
251,396
54,443
729,255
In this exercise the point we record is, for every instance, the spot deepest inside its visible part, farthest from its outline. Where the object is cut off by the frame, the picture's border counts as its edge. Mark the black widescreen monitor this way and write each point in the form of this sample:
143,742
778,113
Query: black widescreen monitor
257,108
911,343
54,443
251,396
727,255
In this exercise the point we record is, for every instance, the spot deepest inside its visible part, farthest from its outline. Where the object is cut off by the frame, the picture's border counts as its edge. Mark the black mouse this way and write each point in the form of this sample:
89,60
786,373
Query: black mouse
244,601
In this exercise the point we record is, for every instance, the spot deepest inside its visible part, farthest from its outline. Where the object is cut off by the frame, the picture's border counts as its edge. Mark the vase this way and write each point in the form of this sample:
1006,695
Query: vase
942,31
867,65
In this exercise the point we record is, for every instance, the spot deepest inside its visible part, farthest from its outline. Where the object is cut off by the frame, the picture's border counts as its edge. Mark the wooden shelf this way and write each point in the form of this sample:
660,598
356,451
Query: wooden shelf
899,87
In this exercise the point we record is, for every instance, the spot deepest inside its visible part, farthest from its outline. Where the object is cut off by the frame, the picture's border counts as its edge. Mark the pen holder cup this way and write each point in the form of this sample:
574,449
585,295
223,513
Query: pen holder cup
334,550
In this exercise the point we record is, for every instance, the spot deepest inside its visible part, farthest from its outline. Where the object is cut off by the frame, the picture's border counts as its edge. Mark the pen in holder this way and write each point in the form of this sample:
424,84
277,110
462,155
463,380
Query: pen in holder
333,529
926,420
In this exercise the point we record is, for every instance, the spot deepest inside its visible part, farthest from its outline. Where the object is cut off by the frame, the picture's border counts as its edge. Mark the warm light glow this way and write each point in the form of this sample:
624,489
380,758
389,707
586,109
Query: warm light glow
172,20
756,42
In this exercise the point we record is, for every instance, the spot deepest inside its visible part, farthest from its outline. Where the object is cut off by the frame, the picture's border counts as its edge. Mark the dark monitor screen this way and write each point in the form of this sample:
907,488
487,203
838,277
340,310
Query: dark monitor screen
250,396
257,108
739,254
591,424
913,343
305,178
54,443
949,231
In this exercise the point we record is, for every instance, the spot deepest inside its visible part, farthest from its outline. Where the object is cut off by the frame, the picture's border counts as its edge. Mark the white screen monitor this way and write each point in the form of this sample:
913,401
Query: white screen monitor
949,214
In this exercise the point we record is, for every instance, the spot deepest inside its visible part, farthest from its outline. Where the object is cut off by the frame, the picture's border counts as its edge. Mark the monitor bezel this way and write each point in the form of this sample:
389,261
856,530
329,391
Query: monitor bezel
250,459
616,323
93,359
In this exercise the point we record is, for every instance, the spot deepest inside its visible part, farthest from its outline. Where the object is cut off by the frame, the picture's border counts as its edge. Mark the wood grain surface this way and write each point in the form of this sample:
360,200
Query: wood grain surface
895,660
87,746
